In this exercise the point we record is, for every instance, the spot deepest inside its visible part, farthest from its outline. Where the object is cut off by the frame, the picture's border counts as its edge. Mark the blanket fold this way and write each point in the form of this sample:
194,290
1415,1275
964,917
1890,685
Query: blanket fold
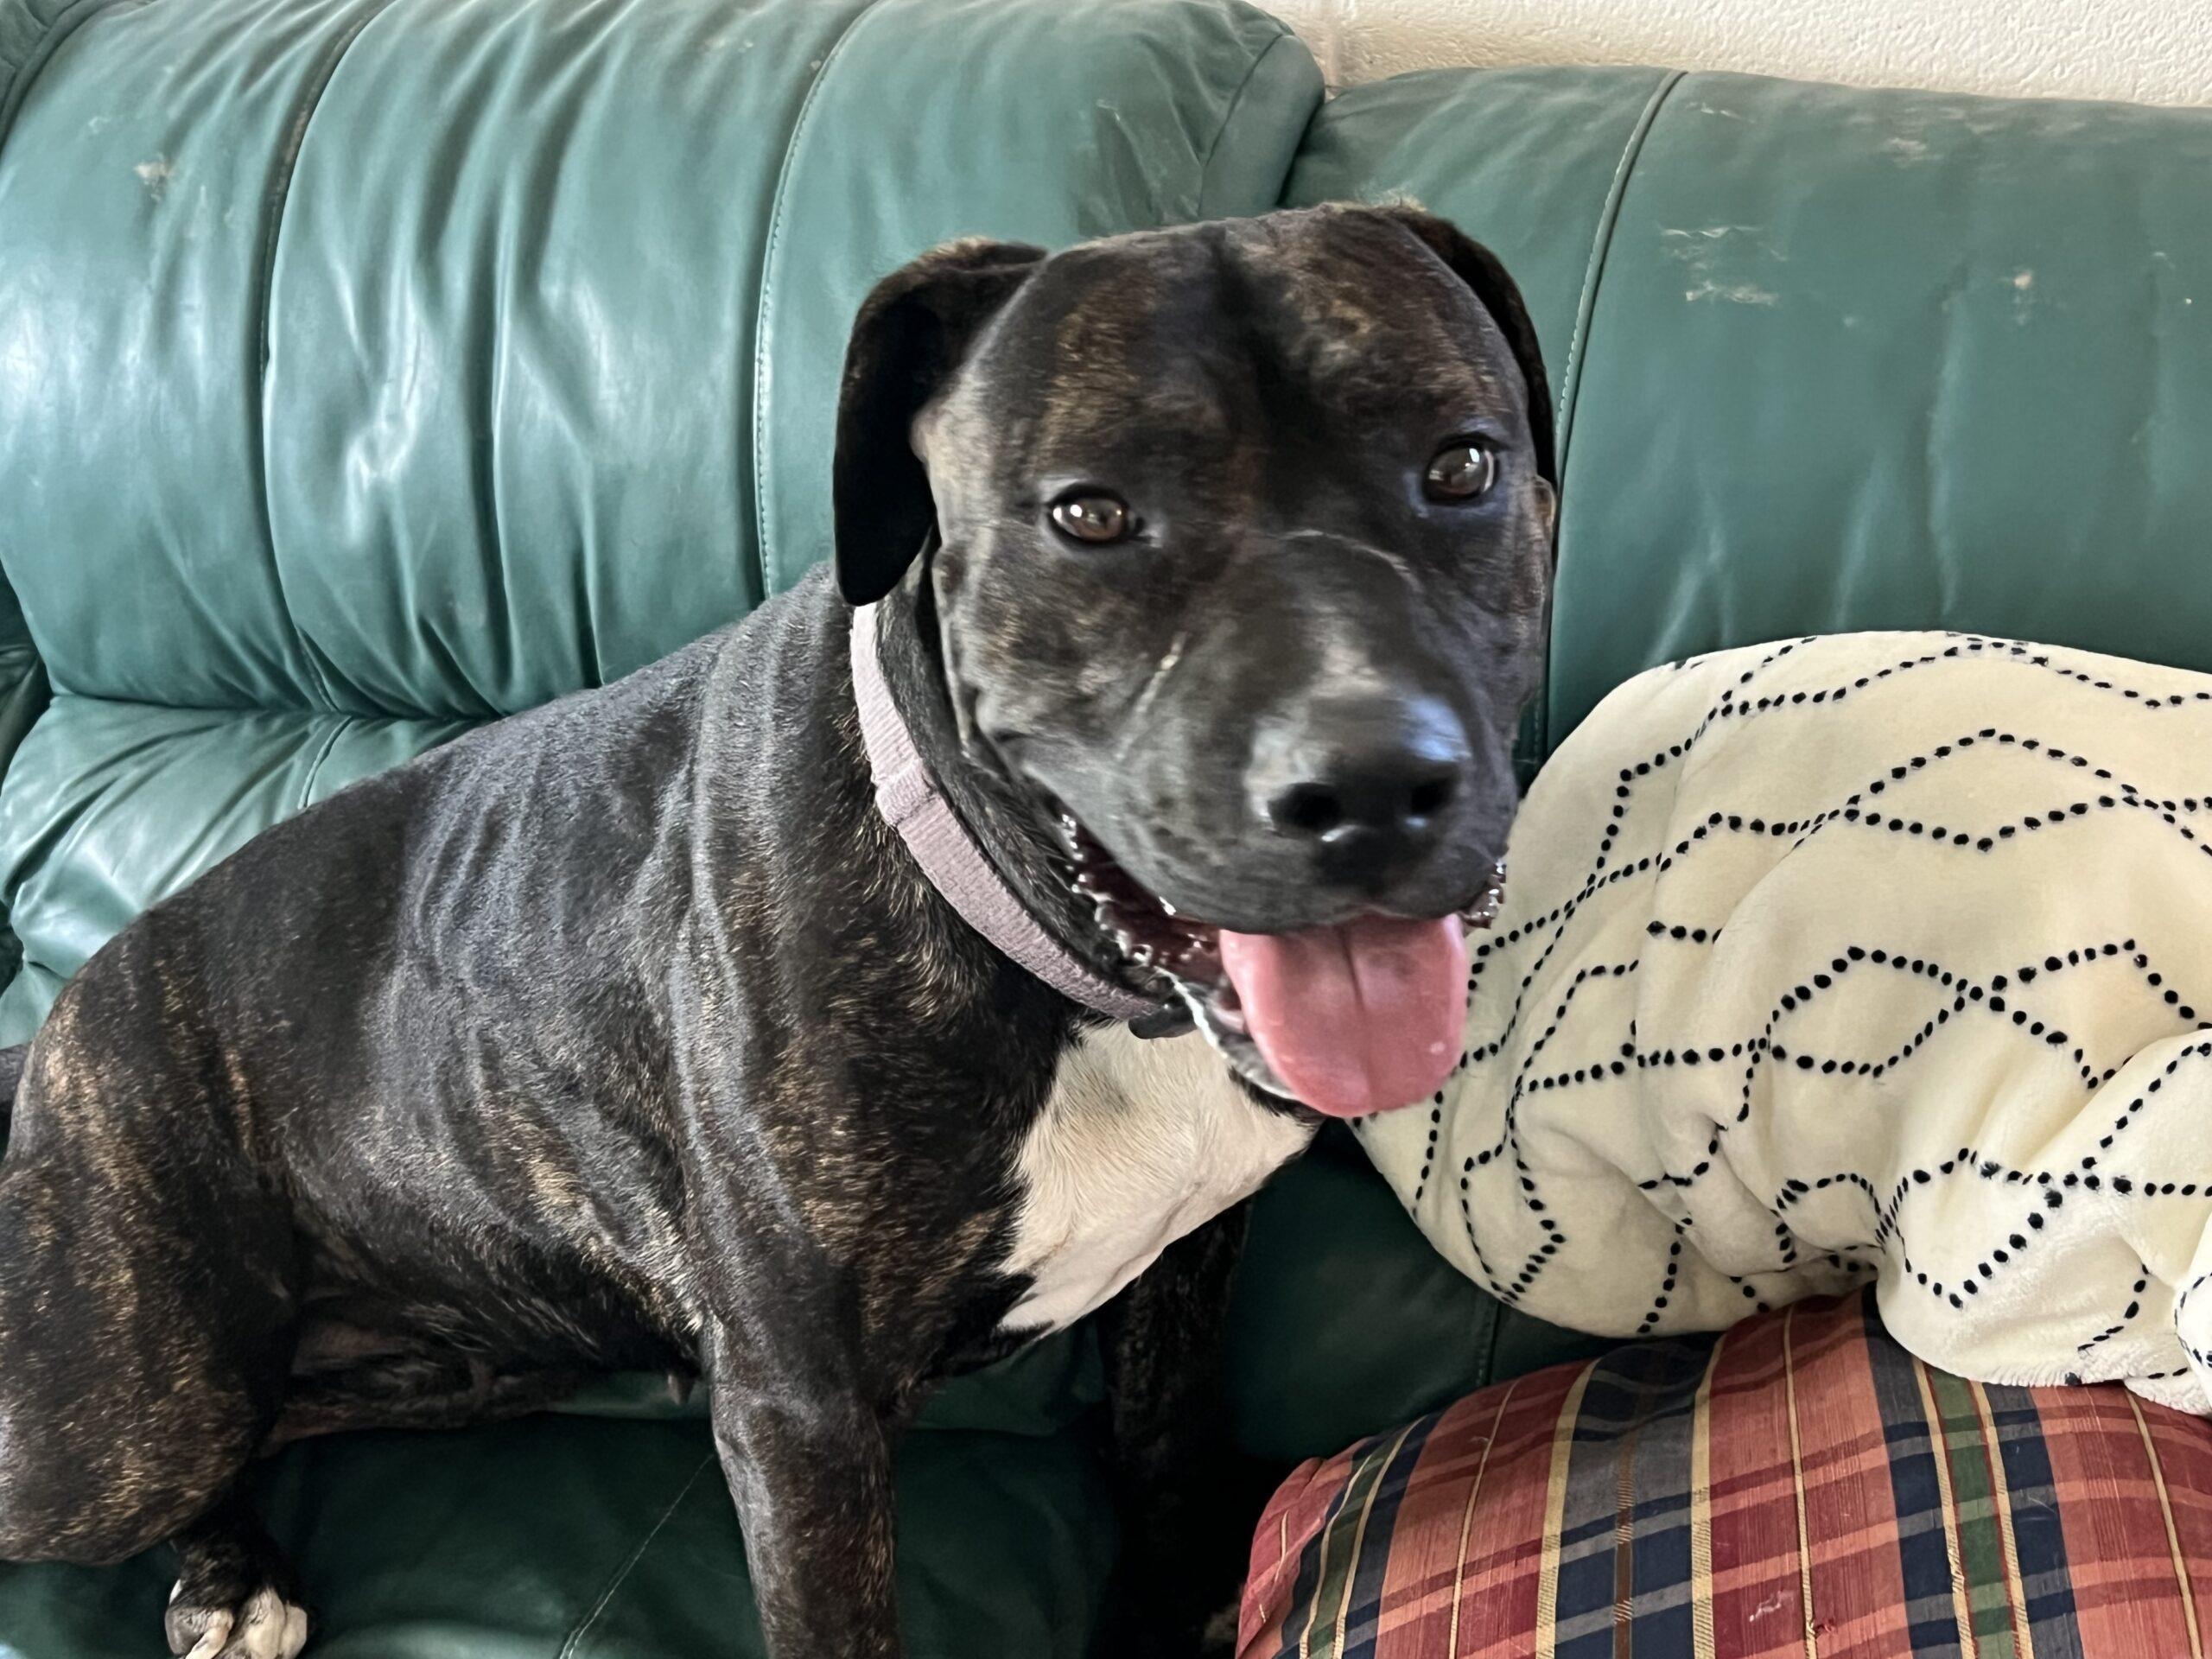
1878,958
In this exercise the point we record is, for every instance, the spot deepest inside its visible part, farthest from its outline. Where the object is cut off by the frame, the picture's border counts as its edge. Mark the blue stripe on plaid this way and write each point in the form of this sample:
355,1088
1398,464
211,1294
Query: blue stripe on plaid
1931,1611
1661,1559
1654,1389
1308,1583
1364,1621
2038,1532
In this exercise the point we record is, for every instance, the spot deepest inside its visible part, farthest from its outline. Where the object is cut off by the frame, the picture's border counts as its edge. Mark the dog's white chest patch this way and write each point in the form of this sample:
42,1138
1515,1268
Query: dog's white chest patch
1140,1143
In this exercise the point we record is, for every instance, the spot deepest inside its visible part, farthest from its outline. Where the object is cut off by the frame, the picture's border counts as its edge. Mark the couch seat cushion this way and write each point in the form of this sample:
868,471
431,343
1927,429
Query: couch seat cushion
591,1538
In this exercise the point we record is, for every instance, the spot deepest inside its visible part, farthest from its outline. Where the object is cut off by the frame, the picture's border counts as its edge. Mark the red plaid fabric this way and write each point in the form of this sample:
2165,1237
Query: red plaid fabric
1800,1488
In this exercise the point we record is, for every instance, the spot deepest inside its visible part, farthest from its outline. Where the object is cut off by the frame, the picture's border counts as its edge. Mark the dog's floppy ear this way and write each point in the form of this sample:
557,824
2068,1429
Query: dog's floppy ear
910,336
1477,266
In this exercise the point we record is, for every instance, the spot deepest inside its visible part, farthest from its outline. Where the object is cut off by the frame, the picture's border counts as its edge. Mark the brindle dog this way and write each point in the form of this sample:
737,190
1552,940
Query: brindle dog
1214,566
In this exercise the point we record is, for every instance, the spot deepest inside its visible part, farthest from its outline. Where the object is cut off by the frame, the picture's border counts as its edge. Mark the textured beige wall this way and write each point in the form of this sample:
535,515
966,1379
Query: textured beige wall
2149,51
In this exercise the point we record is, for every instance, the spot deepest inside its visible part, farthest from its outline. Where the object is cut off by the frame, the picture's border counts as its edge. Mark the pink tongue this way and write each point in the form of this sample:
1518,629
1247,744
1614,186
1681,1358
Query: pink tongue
1360,1018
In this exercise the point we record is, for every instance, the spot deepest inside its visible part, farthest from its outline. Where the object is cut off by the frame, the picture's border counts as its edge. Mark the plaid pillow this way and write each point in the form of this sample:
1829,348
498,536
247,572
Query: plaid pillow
1800,1487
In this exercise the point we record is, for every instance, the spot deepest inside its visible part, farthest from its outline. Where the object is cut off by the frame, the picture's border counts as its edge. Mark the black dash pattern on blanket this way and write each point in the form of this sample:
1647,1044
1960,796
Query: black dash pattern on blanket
1880,957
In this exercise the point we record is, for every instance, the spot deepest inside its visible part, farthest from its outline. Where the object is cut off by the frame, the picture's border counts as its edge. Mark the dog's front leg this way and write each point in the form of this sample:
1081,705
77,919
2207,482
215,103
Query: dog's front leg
1188,1498
811,1470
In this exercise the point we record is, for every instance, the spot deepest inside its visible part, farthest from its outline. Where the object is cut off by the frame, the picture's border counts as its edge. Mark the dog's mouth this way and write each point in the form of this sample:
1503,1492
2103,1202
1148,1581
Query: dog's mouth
1351,1018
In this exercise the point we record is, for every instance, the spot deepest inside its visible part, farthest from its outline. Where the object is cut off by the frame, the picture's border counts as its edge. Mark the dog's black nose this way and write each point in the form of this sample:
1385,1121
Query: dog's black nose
1371,780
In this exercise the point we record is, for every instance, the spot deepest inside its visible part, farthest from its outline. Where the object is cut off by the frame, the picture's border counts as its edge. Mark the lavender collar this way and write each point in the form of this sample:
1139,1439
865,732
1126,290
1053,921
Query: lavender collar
911,803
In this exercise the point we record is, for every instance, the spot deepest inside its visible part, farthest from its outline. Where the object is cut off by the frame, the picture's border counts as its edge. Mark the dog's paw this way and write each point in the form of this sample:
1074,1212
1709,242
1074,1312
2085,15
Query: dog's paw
263,1625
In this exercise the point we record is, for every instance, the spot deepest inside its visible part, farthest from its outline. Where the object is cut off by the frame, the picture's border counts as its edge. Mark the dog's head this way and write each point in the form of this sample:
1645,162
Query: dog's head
1242,551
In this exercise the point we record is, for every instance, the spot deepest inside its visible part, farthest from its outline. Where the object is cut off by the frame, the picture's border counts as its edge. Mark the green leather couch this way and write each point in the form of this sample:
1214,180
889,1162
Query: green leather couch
369,368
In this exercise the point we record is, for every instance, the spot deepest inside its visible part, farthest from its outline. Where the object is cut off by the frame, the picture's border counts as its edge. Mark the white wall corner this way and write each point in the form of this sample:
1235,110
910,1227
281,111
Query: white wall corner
2144,51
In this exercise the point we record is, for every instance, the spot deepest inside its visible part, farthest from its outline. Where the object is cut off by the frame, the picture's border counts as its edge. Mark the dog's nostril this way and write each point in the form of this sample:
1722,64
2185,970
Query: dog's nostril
1309,809
1427,799
1391,802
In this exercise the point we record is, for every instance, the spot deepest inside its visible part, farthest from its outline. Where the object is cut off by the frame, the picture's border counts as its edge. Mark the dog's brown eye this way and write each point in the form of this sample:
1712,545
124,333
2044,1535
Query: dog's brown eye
1461,472
1095,518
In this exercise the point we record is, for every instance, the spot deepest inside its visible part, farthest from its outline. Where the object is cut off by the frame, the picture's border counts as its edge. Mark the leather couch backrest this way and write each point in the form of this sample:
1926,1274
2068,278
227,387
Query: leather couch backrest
1831,359
370,366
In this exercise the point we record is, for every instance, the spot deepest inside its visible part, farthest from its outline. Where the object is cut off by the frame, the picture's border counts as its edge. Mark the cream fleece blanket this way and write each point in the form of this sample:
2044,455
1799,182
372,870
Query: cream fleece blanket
1875,956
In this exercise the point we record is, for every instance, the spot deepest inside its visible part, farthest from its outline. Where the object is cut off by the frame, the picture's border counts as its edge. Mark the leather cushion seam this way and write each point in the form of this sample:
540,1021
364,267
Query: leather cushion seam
571,1645
1229,115
278,197
764,317
1570,381
338,724
1601,246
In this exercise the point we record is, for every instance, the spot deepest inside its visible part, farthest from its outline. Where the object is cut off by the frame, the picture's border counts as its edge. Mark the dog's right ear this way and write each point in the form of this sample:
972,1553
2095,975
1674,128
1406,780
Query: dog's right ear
910,336
1483,271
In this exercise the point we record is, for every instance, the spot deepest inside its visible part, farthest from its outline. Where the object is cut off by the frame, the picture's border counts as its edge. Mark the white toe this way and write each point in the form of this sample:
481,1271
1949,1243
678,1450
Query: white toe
212,1640
272,1628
